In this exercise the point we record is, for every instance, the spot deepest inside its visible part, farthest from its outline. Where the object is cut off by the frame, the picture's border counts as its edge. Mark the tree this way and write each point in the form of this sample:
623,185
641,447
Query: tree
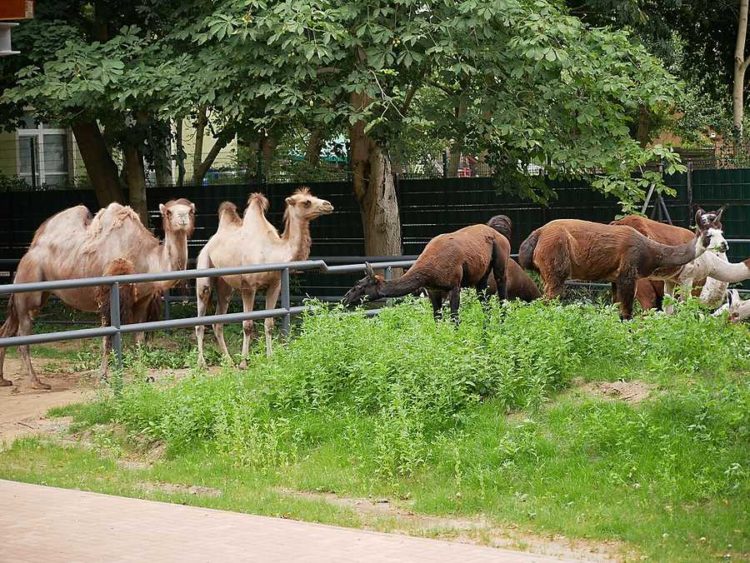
544,88
740,66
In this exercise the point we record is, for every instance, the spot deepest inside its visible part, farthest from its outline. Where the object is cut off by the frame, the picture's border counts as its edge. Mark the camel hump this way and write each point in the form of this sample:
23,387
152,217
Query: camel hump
258,199
228,214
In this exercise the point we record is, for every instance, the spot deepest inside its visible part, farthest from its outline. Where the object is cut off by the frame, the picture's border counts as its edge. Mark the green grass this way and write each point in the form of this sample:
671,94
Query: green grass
484,419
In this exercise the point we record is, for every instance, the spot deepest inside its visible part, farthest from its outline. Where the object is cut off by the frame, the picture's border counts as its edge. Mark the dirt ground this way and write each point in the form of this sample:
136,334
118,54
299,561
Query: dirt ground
23,409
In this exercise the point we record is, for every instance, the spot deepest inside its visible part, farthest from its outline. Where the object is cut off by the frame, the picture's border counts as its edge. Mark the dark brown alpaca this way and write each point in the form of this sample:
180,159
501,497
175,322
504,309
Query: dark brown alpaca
518,284
572,249
465,258
650,292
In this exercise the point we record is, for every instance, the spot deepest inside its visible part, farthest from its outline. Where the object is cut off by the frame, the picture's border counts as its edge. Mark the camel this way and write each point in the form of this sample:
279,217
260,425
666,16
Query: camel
73,244
464,258
570,248
253,240
650,292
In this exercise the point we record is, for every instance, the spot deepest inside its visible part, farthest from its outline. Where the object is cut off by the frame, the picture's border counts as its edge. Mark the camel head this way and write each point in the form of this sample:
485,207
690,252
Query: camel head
502,224
366,288
708,225
178,215
302,204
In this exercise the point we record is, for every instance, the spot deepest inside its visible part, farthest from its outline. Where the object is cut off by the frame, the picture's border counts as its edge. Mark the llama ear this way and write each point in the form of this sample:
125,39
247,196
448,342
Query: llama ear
699,213
719,213
369,271
733,297
192,206
290,200
162,209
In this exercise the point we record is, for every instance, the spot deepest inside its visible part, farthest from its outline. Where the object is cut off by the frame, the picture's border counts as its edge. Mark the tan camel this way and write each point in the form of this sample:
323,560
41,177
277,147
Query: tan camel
73,244
253,240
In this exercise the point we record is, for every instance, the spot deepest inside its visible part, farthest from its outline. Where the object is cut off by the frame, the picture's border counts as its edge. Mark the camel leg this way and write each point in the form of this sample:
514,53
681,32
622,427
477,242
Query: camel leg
223,295
140,315
25,326
455,300
499,270
436,299
625,296
203,292
669,291
248,328
272,296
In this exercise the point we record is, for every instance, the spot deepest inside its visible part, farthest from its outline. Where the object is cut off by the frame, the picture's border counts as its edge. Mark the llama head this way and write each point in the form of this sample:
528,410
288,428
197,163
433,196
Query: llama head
707,219
709,229
502,224
178,215
734,305
366,288
304,205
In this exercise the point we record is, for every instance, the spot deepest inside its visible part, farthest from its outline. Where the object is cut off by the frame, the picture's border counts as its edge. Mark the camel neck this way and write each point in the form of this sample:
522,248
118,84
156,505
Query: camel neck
297,237
174,252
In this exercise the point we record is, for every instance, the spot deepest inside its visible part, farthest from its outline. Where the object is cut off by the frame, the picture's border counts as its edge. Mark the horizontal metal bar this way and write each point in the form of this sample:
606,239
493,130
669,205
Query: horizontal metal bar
162,276
58,336
349,268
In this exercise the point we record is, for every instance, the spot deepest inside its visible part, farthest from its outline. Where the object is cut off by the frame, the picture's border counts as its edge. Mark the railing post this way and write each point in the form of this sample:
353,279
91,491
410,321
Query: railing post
285,302
388,273
114,315
166,305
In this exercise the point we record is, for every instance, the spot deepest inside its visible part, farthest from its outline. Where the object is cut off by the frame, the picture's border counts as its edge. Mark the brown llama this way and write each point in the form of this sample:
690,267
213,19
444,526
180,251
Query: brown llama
464,258
518,284
573,249
695,274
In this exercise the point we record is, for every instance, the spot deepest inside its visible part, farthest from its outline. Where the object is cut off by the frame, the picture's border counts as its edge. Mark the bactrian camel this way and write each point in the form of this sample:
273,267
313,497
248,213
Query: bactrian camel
73,244
464,258
573,249
694,273
253,240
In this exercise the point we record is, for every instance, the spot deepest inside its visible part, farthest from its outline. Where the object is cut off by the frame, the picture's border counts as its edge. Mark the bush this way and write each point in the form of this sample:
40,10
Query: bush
410,381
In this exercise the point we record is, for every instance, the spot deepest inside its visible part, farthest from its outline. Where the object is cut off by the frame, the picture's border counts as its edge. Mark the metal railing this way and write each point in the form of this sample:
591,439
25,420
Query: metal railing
116,329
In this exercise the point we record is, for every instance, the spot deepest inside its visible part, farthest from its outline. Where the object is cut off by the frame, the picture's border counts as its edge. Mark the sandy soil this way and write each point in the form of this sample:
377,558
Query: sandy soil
23,409
399,519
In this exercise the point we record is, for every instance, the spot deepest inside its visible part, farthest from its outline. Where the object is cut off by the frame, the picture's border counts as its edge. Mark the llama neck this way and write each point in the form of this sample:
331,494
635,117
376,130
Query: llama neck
680,255
410,282
731,272
297,238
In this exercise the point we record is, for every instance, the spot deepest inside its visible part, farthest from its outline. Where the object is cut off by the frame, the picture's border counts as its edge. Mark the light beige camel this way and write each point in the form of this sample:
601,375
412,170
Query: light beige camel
253,240
73,244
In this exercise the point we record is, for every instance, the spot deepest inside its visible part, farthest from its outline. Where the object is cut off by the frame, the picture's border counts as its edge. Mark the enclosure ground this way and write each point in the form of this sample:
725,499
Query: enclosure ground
51,524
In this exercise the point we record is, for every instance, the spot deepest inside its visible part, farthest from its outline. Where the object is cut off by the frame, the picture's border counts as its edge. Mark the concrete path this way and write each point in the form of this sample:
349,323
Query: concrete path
49,524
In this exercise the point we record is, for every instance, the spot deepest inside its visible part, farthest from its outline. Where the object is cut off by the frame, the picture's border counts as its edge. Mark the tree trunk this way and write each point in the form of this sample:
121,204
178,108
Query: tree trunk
136,175
740,66
100,168
643,130
163,162
454,160
267,150
179,153
201,165
314,146
375,190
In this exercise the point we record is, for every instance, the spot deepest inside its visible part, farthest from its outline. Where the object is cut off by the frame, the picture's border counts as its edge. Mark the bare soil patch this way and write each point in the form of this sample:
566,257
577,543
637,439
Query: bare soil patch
629,391
23,409
178,489
384,515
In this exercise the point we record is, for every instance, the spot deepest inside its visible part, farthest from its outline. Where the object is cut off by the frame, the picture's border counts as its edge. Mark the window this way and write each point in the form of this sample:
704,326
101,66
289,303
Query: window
43,155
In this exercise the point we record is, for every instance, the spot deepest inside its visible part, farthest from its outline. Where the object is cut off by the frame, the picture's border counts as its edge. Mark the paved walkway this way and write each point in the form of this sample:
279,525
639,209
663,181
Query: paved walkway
48,524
